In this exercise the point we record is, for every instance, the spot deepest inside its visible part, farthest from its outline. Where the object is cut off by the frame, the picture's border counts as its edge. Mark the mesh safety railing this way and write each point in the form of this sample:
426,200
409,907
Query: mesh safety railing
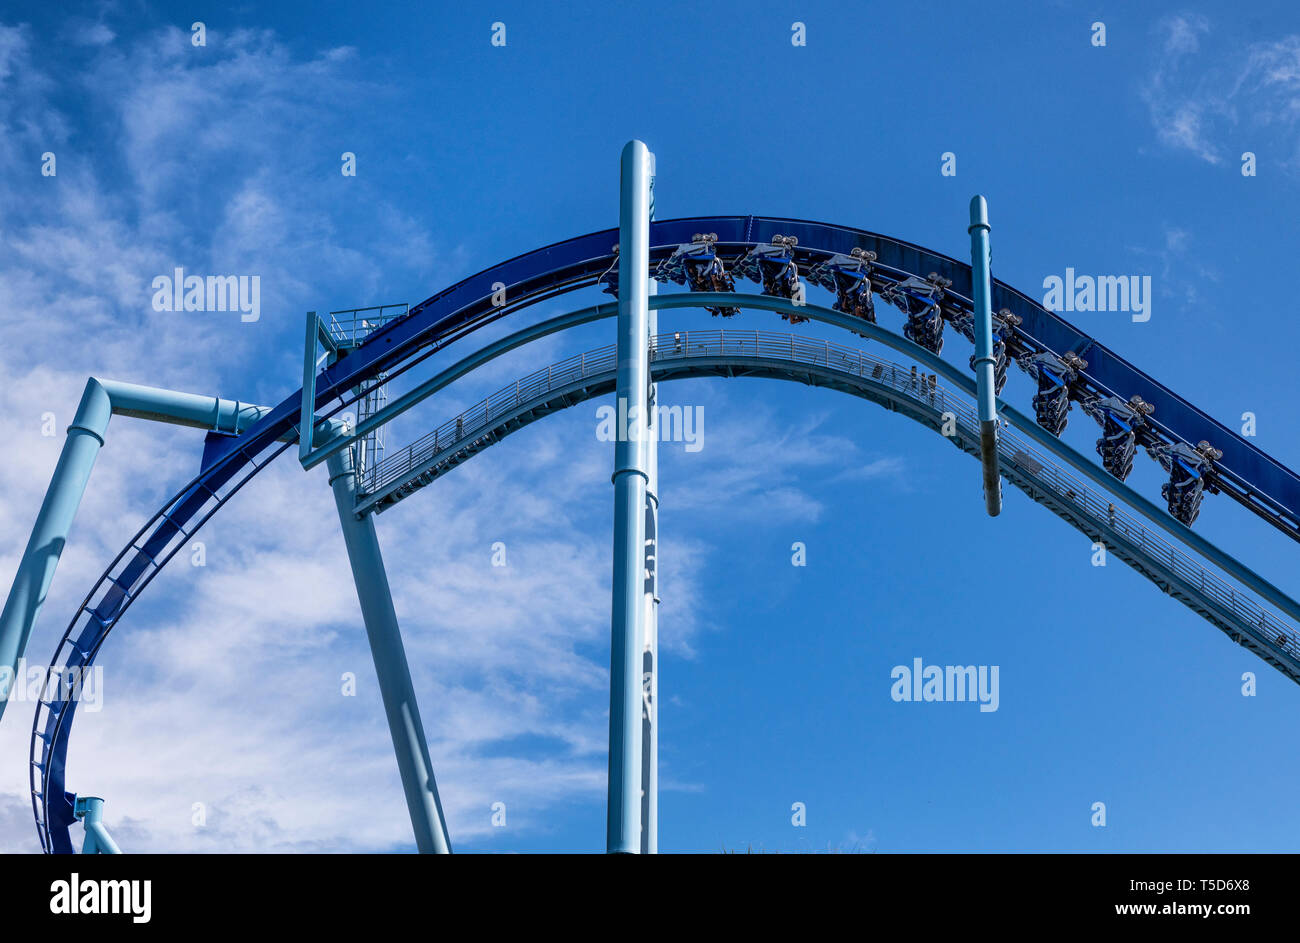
350,326
1089,501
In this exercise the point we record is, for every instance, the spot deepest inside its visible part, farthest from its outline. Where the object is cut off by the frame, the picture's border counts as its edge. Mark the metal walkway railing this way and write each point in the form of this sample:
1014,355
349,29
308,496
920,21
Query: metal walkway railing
1023,462
352,325
598,362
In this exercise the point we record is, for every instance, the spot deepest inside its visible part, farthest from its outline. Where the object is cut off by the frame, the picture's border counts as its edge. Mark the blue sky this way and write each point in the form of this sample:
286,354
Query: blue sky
222,689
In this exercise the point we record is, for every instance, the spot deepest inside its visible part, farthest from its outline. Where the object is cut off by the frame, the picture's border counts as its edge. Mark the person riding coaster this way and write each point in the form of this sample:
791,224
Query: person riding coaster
773,266
696,264
849,276
921,300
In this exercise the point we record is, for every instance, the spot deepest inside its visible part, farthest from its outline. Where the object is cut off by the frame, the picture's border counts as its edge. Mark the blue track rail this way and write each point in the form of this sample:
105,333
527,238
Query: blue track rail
229,461
1260,481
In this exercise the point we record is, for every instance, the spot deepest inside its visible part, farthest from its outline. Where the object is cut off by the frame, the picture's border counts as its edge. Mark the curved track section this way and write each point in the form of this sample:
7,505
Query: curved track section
747,353
132,570
1246,473
1249,475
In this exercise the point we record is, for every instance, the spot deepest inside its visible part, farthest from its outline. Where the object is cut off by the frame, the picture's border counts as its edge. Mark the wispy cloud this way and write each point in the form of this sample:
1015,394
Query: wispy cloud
1217,99
226,670
223,688
1182,272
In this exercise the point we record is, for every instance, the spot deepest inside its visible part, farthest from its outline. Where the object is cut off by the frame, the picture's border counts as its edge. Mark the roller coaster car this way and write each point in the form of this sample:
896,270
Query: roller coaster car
696,265
849,276
773,267
920,299
1191,474
1121,420
1004,334
1004,330
1055,376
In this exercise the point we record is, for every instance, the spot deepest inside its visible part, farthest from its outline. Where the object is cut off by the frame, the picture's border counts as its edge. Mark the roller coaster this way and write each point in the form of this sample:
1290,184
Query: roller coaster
351,358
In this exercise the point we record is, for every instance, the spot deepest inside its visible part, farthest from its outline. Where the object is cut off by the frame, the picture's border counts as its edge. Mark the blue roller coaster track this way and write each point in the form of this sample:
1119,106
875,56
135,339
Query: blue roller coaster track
707,254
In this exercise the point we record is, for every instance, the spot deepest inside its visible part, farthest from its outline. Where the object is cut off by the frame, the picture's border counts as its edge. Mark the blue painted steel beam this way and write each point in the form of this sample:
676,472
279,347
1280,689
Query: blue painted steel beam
984,361
650,600
90,809
182,409
623,834
317,337
310,363
50,532
391,668
99,402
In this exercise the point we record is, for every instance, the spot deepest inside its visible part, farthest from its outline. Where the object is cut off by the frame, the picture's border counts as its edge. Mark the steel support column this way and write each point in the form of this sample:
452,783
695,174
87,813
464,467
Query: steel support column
982,283
623,833
50,532
650,648
90,809
101,400
390,662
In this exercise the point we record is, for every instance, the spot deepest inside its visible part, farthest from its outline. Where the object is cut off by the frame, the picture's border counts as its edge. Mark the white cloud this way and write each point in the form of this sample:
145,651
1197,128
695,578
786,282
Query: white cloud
1216,99
222,687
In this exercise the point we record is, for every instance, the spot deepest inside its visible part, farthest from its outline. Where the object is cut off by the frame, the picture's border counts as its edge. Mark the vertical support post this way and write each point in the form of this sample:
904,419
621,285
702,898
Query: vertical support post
316,336
50,532
390,661
650,650
623,832
90,809
982,285
101,400
307,423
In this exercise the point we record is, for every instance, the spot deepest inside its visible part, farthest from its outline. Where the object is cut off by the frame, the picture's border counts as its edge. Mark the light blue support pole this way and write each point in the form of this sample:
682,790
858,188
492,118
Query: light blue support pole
181,409
390,662
650,652
101,400
982,284
90,809
623,834
317,336
50,532
309,366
